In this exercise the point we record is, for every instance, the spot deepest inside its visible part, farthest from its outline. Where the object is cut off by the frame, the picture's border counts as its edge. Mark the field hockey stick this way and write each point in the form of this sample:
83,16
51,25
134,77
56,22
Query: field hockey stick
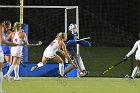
75,57
77,66
34,44
83,39
113,66
22,64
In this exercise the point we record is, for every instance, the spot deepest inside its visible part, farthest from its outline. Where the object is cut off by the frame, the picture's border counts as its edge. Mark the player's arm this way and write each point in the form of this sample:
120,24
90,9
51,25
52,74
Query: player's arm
66,53
61,52
25,40
133,49
7,42
9,37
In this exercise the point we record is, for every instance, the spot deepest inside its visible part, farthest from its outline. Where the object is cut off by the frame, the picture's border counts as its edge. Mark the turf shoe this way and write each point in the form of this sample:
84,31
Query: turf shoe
64,76
17,79
7,77
131,77
83,73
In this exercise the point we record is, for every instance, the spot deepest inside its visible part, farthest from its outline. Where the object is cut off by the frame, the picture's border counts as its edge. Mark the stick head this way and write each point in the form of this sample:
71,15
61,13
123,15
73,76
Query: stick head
88,37
39,43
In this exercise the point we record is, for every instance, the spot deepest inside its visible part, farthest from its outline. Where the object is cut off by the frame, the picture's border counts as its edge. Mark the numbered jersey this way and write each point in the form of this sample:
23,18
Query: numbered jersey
17,50
51,50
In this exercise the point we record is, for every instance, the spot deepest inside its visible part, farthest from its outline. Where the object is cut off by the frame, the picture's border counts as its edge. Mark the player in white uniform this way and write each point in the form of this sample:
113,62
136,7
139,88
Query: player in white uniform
17,37
137,57
50,53
2,40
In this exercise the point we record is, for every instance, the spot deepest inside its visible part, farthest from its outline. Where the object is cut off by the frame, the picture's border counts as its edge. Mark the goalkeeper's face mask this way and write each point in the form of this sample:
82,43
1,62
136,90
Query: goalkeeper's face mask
73,28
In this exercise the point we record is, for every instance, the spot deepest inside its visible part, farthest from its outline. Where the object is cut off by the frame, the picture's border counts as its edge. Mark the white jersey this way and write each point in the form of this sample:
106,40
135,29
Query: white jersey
17,50
51,50
135,47
1,54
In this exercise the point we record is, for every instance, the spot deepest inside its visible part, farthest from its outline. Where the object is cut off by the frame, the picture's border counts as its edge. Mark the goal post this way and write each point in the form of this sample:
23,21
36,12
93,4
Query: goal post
21,11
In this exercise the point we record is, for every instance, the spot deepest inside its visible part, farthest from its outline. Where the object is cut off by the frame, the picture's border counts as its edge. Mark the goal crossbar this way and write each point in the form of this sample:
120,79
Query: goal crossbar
13,6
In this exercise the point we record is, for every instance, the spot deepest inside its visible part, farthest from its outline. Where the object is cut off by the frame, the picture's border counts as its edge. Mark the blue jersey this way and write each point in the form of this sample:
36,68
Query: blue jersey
6,49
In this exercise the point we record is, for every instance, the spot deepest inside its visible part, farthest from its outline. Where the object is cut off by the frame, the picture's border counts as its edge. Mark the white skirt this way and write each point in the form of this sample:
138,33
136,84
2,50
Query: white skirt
137,56
16,51
49,53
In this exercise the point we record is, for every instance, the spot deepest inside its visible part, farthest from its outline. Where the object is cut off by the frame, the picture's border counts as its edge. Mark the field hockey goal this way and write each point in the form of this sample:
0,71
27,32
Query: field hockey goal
44,23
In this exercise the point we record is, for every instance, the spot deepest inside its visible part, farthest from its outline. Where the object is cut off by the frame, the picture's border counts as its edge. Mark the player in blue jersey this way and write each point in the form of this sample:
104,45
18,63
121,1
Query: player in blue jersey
7,49
71,45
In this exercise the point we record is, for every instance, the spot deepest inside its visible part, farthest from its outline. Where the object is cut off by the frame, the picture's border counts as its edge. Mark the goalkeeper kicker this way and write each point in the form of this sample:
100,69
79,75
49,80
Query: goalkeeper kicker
72,40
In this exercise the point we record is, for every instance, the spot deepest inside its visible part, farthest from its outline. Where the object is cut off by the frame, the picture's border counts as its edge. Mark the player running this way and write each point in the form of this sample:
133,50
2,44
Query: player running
50,53
17,37
137,57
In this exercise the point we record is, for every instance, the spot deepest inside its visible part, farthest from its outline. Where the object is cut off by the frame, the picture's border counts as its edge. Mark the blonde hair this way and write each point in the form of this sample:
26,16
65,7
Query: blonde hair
17,26
60,36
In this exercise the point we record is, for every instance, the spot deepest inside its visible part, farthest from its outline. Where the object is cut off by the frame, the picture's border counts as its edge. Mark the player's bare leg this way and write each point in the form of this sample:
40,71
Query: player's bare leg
40,64
136,70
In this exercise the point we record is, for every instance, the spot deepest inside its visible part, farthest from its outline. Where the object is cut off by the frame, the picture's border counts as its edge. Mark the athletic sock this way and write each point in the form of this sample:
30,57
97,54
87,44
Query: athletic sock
1,78
138,71
8,66
16,70
61,69
134,72
10,70
40,64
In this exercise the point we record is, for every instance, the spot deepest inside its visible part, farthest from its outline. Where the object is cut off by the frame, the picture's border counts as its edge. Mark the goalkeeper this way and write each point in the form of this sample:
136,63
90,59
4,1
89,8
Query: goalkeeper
72,40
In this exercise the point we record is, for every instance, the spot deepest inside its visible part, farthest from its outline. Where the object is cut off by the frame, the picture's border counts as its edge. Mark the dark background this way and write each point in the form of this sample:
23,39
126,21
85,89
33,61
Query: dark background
107,22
